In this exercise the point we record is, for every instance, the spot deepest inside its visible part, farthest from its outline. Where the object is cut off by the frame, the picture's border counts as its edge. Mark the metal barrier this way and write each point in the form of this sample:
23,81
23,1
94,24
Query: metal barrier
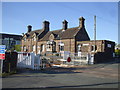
61,58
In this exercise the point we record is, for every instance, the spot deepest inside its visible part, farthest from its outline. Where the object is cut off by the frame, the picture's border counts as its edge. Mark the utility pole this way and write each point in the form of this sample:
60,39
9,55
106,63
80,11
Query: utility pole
94,28
94,32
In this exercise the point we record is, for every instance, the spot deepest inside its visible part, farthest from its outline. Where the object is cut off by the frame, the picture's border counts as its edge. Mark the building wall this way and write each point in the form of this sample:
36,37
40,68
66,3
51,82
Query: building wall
104,49
69,45
87,46
10,40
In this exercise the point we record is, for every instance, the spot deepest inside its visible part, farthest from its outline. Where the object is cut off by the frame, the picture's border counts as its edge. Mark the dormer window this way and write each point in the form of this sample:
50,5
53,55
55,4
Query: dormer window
51,37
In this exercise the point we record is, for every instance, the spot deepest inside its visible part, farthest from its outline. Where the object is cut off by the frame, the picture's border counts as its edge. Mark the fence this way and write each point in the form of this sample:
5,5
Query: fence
28,60
76,58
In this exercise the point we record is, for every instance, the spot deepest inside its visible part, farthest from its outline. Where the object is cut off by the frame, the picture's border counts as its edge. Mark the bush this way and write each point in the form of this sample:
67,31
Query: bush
117,52
18,48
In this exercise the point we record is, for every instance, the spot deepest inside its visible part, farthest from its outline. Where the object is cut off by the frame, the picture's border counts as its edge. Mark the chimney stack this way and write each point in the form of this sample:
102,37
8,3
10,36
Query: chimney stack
81,22
46,25
65,24
29,28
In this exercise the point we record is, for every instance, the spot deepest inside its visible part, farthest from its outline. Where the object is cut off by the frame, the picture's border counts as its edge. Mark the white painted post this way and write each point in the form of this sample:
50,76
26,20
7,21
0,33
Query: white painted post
39,61
79,54
32,60
92,59
88,58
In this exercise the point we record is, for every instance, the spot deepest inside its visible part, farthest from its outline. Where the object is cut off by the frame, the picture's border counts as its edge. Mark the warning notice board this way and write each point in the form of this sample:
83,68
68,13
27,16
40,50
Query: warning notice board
2,52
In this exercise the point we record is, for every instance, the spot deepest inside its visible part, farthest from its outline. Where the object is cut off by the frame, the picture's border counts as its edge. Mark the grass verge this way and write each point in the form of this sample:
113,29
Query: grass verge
7,74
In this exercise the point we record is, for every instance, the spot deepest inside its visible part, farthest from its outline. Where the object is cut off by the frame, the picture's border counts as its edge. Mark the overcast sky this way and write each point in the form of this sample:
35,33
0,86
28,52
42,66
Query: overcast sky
17,15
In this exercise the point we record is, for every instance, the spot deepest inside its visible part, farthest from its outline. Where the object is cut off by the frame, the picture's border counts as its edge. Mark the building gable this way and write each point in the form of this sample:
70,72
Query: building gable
82,35
51,37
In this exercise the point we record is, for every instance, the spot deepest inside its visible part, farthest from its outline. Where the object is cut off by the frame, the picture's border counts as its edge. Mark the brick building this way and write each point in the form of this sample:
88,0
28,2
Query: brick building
75,40
44,40
102,50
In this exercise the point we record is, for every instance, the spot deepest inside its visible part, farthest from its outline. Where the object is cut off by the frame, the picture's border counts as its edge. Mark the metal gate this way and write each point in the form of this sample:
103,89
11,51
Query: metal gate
61,58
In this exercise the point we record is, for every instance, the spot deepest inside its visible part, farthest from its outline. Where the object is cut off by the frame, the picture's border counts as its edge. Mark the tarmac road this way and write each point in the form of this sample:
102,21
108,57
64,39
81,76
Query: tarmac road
93,76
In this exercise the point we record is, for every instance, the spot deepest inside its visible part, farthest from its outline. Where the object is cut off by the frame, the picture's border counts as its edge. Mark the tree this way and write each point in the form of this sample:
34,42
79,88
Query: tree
117,52
17,48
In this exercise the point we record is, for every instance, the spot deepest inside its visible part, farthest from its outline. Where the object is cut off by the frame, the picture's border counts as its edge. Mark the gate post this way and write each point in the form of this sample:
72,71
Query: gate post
91,61
88,58
32,60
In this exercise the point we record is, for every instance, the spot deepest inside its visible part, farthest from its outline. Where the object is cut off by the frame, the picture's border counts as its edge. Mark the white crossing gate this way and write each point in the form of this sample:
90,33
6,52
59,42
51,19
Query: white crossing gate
28,60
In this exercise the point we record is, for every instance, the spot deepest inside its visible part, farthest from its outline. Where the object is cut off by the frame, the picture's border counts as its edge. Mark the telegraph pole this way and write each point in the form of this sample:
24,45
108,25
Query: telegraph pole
94,28
94,32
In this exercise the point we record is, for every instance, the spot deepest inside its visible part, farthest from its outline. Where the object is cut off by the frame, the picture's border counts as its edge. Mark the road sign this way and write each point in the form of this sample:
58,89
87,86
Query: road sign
2,52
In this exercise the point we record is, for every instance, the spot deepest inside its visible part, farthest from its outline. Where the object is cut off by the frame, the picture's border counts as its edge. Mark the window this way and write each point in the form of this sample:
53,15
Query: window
48,47
85,44
79,47
24,48
61,46
18,42
33,47
93,48
42,48
109,45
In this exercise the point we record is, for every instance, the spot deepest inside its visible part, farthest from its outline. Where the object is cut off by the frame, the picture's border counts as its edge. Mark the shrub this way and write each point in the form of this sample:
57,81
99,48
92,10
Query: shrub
117,52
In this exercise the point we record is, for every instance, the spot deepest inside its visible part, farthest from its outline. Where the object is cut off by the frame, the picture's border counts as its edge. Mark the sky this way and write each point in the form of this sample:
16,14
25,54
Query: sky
16,16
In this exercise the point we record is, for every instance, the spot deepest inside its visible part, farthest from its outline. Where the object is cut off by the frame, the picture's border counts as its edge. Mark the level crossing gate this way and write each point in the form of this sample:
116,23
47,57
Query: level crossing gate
28,60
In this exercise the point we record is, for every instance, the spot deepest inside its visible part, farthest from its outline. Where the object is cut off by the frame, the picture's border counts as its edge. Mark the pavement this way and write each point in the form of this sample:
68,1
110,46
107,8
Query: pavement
84,76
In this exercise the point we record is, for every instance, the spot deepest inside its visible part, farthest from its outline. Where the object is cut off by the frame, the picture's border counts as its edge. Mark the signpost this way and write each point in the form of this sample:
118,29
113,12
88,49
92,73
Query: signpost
2,52
2,55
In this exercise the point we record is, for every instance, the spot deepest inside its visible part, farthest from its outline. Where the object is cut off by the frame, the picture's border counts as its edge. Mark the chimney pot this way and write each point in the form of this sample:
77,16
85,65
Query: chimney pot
81,22
65,24
29,28
46,25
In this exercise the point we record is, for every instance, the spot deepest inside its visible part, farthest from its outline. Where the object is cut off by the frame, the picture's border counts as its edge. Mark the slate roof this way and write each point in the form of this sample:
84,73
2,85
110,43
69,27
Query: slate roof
29,35
60,34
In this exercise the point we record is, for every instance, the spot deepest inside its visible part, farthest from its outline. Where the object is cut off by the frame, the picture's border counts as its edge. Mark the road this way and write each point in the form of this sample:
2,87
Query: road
92,76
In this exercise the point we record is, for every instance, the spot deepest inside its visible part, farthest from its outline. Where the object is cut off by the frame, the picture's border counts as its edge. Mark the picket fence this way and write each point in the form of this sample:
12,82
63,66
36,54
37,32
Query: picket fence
28,60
